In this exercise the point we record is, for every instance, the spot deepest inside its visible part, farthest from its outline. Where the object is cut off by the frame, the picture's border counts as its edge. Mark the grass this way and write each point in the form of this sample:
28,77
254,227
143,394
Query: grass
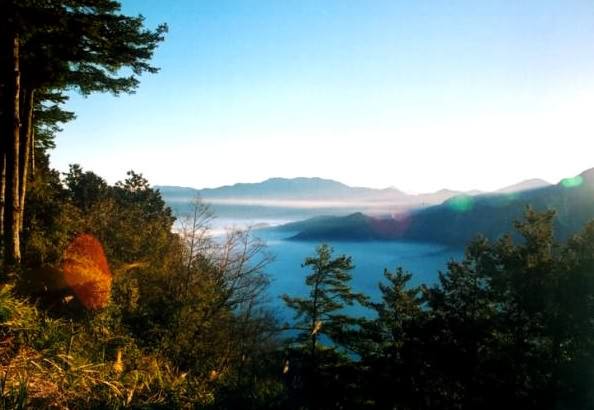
85,363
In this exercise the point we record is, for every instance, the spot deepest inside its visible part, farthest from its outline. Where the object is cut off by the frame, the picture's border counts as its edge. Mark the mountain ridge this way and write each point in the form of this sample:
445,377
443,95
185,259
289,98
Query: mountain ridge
461,217
526,185
309,189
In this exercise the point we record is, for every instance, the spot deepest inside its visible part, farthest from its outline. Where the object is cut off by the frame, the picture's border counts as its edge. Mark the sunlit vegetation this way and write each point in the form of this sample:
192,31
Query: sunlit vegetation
179,321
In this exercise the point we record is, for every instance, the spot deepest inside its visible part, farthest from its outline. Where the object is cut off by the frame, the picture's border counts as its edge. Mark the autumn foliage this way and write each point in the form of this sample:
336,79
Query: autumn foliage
86,271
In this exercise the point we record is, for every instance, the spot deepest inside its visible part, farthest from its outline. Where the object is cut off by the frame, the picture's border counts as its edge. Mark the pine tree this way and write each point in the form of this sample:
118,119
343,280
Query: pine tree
322,314
47,47
391,346
323,311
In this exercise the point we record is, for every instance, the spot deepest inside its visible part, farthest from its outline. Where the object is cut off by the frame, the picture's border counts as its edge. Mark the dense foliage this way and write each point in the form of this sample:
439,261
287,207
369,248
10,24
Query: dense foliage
184,322
509,325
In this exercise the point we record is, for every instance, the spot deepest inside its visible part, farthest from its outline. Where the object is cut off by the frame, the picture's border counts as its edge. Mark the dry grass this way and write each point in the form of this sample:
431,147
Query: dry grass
56,364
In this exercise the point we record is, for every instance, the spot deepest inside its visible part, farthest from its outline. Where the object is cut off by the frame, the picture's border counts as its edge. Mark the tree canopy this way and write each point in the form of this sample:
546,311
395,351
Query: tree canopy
48,48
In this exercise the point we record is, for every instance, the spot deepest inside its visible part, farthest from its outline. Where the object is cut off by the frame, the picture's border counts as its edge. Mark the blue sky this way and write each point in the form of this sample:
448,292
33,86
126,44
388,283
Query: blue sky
415,94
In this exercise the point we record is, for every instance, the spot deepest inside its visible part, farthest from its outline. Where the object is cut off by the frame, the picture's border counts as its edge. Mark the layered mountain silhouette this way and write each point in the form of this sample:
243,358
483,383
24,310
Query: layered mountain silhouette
307,190
286,188
462,217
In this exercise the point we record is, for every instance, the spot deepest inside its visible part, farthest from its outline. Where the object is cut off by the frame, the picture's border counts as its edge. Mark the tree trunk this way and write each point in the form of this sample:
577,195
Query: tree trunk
12,251
26,139
312,389
4,128
2,182
33,153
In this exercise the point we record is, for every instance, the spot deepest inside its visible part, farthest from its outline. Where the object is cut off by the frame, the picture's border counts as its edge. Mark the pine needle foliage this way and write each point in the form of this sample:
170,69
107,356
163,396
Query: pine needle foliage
323,313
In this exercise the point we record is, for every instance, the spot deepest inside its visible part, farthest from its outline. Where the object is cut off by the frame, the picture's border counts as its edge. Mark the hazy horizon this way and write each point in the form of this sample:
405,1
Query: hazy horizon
353,186
459,95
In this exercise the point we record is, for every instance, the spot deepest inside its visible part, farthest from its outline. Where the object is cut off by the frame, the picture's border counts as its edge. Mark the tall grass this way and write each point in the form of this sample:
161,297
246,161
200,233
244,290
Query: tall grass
67,363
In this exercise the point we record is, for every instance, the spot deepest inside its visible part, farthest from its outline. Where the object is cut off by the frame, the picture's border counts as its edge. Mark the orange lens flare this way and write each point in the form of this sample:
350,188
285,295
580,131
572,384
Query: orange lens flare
86,272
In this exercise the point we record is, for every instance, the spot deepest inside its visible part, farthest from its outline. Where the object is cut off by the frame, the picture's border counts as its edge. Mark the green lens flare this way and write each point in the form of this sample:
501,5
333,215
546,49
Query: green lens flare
572,182
511,196
461,203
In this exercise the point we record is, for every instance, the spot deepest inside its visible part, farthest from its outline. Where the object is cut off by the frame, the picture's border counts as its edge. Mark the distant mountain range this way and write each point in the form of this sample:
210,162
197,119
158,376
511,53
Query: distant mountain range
285,188
277,191
461,217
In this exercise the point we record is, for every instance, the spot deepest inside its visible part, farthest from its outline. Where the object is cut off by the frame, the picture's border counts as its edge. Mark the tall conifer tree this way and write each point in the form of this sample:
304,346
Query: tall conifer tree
58,45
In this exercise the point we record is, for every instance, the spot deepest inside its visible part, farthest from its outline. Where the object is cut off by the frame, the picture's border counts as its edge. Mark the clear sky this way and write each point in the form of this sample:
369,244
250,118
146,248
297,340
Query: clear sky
420,95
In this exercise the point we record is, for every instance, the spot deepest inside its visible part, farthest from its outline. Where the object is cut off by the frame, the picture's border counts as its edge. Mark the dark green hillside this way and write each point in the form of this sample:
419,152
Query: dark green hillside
357,226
